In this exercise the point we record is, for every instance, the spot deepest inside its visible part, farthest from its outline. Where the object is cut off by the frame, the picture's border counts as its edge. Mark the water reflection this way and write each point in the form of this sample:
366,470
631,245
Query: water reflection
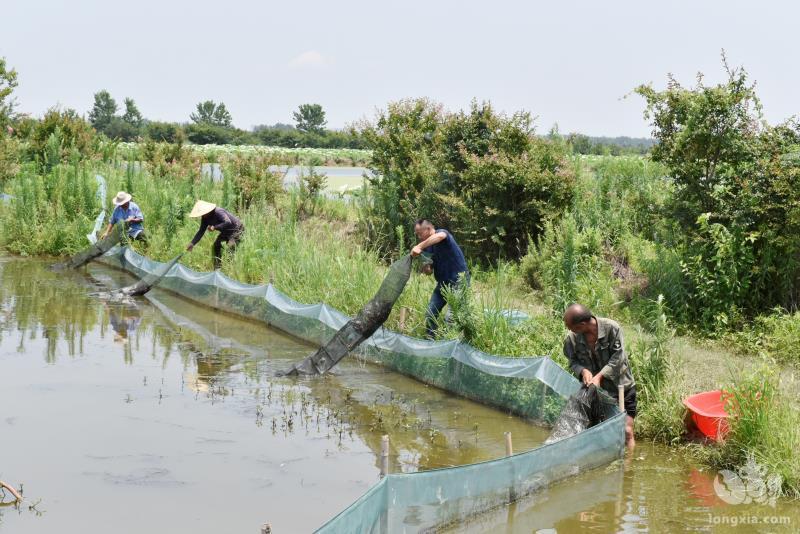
658,490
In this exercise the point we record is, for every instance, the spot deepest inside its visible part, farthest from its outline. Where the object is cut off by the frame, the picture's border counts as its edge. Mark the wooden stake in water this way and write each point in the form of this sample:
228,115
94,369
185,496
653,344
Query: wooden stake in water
512,492
384,456
621,397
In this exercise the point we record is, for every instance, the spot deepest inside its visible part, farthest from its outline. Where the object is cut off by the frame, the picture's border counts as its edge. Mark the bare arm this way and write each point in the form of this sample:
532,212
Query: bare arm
199,235
577,368
432,240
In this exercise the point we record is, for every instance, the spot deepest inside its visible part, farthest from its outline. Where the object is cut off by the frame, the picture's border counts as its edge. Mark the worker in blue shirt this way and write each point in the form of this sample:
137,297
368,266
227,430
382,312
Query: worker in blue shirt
127,212
448,266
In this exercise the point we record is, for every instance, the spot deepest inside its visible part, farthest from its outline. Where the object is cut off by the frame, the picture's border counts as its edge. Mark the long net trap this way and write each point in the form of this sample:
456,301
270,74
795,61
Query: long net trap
588,427
535,388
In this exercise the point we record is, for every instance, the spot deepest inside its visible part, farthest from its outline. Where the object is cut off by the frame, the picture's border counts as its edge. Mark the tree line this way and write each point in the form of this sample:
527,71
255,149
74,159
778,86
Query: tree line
212,123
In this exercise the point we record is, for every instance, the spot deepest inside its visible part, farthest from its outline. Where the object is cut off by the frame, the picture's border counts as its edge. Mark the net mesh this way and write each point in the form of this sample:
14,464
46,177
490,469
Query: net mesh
363,325
535,388
150,280
95,250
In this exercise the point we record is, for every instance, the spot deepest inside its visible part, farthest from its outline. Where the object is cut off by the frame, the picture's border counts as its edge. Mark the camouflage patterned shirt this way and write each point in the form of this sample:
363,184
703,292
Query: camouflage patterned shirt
607,355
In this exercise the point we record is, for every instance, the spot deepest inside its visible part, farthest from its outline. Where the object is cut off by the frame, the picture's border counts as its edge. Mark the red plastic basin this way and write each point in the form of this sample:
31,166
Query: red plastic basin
708,413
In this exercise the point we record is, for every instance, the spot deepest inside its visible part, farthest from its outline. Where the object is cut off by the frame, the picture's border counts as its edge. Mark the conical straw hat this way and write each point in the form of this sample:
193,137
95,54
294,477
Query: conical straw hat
201,207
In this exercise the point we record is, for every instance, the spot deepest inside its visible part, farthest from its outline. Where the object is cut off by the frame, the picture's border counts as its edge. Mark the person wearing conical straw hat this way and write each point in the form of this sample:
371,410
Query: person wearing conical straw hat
127,212
216,219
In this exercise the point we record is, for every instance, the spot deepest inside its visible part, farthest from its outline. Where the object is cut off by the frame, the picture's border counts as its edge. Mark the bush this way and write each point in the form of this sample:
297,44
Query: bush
568,263
209,134
9,158
482,175
252,180
165,132
311,184
66,132
736,197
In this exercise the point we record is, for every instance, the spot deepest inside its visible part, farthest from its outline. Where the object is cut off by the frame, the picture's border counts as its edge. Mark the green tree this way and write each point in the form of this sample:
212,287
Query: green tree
737,195
211,113
481,174
164,132
102,111
132,114
310,118
8,82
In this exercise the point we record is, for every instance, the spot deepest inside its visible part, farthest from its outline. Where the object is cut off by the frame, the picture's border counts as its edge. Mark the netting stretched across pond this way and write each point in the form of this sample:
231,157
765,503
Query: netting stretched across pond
535,388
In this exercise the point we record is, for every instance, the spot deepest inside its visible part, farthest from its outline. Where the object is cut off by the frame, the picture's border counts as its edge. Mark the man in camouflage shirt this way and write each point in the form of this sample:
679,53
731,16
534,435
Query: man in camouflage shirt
597,356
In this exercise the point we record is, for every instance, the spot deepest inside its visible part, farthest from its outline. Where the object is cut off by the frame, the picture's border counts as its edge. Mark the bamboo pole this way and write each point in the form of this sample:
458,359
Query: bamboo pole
509,445
621,399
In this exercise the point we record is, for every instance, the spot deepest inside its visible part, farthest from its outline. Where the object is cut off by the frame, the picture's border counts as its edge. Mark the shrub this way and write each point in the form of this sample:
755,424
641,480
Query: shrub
166,132
481,174
736,196
66,128
568,263
252,180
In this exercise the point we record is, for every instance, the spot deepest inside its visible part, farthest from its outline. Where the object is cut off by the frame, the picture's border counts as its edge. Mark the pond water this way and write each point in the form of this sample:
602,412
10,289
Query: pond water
158,415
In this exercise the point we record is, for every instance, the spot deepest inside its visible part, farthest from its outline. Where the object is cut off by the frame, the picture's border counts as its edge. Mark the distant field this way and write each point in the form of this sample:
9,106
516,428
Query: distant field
299,156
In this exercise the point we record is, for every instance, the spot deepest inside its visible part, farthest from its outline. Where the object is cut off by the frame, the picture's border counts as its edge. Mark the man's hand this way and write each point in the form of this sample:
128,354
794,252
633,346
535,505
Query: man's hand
212,228
129,219
416,251
596,380
586,377
189,247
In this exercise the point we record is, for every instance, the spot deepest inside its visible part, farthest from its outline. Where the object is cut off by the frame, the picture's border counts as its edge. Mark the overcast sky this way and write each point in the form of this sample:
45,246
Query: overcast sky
570,62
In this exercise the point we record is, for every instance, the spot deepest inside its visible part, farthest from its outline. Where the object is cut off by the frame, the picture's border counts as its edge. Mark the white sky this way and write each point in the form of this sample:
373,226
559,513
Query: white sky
569,62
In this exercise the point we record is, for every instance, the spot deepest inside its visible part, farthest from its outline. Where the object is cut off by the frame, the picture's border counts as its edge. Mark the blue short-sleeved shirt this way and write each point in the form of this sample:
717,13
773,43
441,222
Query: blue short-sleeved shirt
120,215
448,259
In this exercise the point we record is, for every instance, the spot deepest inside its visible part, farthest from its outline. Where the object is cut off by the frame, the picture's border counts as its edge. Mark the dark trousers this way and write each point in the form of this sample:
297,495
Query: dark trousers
437,304
232,239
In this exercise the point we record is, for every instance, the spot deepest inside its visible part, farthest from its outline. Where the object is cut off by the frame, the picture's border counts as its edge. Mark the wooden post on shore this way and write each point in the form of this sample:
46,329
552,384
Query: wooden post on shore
384,455
402,321
621,399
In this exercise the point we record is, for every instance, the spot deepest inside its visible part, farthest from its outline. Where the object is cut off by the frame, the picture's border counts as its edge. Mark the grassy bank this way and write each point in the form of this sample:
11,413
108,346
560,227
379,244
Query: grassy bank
597,254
